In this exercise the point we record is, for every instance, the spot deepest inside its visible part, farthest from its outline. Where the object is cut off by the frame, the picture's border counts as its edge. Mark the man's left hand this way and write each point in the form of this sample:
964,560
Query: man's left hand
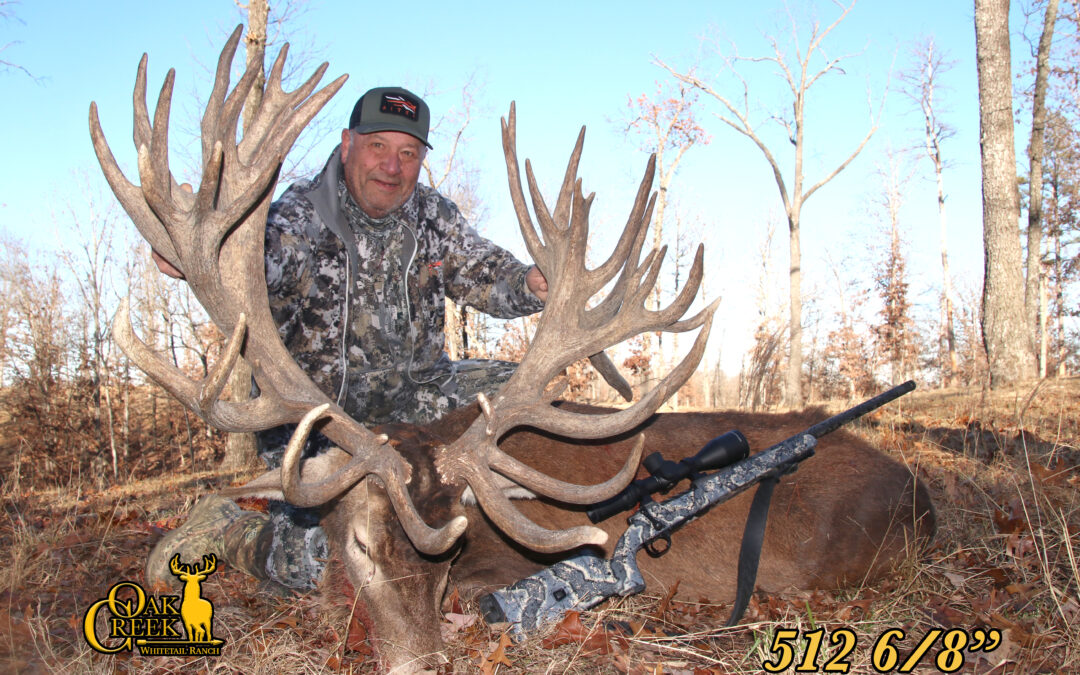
537,283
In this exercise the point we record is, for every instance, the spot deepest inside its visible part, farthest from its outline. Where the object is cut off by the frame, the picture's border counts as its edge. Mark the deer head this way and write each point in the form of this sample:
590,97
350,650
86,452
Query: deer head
372,485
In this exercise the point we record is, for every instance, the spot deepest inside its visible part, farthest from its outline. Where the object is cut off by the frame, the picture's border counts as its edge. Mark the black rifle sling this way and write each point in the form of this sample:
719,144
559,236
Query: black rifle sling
750,551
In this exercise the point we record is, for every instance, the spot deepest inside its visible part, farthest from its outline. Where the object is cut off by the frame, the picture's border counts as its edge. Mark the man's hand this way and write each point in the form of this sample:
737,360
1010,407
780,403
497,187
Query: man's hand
537,283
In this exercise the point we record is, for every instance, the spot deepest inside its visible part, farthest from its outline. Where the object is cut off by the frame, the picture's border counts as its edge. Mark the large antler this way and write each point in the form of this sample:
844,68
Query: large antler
215,237
570,330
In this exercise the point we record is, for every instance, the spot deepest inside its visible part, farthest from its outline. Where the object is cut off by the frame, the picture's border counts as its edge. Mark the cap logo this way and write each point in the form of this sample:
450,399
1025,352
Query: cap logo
399,104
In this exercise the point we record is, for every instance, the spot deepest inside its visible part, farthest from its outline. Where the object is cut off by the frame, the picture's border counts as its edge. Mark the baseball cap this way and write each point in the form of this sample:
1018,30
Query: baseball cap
391,109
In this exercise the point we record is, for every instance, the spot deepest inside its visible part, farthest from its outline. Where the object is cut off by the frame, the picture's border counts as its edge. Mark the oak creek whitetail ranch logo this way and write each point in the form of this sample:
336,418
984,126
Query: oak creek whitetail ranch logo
399,104
159,625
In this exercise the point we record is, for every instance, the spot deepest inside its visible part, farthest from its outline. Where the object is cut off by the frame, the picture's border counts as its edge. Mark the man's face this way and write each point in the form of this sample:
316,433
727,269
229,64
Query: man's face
381,168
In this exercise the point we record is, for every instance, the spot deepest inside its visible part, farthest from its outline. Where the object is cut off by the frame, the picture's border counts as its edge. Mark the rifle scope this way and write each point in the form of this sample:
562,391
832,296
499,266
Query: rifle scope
721,451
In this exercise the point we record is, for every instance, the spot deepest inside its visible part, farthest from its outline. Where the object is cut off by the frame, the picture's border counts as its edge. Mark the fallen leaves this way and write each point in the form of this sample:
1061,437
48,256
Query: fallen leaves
571,631
490,663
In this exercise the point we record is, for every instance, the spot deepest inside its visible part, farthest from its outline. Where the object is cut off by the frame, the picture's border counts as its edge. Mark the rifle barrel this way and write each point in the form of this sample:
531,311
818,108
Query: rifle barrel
836,421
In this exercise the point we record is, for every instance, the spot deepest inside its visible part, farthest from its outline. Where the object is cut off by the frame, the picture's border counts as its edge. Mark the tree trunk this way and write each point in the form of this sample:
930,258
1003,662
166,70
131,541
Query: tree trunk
1035,174
240,449
793,388
1006,333
948,296
255,41
455,330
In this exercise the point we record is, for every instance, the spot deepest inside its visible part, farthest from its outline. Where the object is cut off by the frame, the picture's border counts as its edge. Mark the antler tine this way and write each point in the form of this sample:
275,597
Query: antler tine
521,529
215,382
629,282
678,375
662,319
627,252
129,194
210,186
141,124
561,214
686,295
603,365
573,425
273,82
577,244
157,180
218,93
528,231
287,129
552,232
159,149
633,306
523,474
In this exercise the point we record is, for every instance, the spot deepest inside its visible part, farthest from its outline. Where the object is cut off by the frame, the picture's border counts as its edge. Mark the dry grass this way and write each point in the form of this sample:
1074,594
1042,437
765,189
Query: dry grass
1001,467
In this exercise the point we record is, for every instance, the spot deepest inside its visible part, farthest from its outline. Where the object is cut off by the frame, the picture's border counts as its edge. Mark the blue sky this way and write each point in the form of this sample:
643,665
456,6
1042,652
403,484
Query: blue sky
566,64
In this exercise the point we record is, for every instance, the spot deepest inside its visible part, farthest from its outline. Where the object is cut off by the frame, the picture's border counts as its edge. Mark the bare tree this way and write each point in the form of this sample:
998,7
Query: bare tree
759,381
800,72
1036,148
88,255
258,14
666,125
921,83
7,13
456,179
240,449
896,331
271,24
40,363
1006,333
848,363
1062,219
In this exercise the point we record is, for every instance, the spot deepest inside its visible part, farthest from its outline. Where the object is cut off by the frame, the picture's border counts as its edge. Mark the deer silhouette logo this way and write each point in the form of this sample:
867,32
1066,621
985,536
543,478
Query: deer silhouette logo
196,611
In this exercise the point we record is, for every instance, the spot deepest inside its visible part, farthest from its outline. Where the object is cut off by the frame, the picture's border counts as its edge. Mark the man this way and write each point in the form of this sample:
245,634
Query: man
359,260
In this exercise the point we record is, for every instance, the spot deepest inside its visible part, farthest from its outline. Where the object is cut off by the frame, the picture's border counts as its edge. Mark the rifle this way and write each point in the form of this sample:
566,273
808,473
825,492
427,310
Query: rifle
585,581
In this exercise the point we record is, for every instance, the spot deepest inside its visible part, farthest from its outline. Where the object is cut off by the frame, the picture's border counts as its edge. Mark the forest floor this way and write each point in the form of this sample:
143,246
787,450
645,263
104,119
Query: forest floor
996,591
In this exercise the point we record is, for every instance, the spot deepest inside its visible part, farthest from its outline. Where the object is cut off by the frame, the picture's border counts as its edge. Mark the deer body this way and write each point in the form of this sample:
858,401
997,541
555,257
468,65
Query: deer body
846,516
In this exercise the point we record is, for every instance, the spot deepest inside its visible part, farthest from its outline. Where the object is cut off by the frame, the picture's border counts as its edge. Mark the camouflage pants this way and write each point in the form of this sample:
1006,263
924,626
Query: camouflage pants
298,553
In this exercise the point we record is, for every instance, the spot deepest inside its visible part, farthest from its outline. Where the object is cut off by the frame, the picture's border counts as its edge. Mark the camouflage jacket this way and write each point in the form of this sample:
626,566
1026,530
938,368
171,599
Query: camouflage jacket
363,298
